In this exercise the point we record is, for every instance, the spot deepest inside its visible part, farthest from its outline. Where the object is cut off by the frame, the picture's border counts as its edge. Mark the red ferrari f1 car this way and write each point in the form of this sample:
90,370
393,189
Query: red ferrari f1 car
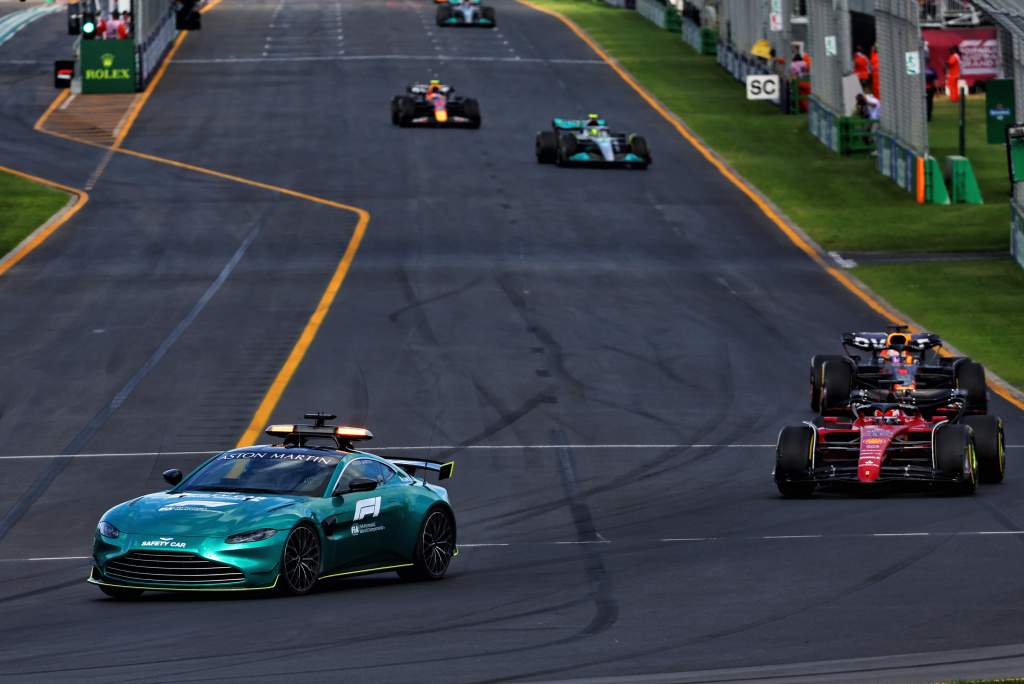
923,437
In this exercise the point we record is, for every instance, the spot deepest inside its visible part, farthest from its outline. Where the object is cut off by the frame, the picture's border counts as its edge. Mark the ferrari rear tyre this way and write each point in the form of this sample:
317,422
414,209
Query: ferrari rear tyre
793,462
300,561
121,593
444,13
546,147
638,146
990,447
955,457
970,376
435,547
817,362
488,14
471,108
836,385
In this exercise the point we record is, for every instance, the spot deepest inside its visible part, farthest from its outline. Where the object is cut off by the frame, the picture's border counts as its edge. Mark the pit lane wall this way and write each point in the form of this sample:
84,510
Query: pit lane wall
155,34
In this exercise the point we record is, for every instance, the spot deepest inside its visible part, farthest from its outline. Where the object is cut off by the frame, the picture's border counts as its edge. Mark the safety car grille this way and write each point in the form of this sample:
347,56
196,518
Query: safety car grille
168,567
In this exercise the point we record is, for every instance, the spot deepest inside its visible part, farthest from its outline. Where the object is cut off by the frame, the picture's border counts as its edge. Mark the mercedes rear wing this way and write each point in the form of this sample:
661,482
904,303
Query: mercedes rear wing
444,470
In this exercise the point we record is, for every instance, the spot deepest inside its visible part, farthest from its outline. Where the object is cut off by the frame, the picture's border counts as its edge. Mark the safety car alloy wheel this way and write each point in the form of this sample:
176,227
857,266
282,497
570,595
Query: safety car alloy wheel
300,563
434,548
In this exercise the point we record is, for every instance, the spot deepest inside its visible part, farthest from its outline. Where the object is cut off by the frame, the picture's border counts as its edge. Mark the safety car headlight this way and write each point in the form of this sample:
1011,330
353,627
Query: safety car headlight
107,530
253,536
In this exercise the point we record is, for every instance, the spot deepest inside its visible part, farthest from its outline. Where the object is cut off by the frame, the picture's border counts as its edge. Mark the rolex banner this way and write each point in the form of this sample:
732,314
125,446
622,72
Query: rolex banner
108,66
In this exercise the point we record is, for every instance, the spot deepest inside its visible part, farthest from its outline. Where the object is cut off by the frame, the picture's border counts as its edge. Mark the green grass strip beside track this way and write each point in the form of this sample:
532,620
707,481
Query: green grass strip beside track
842,202
24,206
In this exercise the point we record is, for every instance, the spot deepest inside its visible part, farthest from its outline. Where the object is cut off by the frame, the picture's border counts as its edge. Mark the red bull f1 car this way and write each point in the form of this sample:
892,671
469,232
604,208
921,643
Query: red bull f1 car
922,438
432,104
589,142
890,362
466,13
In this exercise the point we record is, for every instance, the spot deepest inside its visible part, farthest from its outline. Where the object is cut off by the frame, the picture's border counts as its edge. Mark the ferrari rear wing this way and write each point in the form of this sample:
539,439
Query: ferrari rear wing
444,470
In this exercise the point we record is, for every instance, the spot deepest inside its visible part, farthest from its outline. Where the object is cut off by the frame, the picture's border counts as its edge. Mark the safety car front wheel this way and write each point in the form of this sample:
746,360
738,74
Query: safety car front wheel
300,561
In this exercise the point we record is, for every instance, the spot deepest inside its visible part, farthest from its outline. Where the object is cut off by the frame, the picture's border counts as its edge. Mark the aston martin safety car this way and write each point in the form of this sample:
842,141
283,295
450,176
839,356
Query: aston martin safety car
590,142
432,104
466,13
923,439
279,517
890,362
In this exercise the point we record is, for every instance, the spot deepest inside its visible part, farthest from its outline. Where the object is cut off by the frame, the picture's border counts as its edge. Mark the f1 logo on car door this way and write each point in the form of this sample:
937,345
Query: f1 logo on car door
367,508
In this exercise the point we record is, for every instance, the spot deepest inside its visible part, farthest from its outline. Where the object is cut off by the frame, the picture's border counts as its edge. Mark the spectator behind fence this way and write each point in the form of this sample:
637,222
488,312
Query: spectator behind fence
876,75
862,67
798,67
930,77
869,107
953,74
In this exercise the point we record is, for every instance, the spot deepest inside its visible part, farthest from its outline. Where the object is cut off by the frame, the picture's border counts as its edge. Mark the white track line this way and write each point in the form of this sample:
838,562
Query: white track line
666,540
370,58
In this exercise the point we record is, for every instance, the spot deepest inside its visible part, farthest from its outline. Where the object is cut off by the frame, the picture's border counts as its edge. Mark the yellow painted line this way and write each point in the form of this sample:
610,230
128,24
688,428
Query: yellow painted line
40,236
873,303
57,102
144,97
368,570
209,6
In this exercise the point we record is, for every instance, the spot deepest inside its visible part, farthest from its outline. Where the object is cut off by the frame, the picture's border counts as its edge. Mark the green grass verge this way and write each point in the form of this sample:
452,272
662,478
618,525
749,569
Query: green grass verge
977,305
842,202
24,206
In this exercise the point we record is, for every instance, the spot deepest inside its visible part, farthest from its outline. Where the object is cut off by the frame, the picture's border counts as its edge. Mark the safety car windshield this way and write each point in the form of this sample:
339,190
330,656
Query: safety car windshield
265,472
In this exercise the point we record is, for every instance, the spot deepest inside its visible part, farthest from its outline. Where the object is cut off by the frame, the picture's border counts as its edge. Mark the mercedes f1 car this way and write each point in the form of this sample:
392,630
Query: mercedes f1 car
922,438
890,362
432,104
466,13
589,142
281,516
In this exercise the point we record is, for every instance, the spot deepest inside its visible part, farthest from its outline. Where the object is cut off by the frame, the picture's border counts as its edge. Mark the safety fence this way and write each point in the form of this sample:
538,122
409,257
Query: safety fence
660,14
827,42
701,38
152,48
740,64
1017,232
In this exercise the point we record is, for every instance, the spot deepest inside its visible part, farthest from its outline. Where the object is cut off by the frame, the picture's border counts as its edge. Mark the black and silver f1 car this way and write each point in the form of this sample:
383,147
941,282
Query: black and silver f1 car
892,362
466,13
589,142
432,104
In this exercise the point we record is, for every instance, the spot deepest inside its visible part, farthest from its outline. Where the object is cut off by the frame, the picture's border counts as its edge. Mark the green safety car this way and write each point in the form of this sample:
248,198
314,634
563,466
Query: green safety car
279,516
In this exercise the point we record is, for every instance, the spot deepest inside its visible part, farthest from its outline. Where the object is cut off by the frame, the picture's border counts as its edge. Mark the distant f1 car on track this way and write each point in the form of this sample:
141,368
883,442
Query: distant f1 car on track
432,104
280,516
466,13
893,443
589,142
896,360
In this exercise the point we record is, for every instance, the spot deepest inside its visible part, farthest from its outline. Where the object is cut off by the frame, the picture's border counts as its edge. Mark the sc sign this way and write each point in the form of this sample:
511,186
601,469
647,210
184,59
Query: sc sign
763,87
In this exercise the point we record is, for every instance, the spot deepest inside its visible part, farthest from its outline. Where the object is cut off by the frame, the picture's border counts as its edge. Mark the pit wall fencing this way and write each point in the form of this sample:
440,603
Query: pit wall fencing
739,64
658,13
702,39
153,48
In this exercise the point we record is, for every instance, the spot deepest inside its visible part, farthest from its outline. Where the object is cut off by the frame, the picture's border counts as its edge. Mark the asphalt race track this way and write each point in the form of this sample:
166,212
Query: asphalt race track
609,355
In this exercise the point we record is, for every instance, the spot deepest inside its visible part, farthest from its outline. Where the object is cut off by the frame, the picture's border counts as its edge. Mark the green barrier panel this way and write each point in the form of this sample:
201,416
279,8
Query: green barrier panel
1015,152
673,20
963,185
708,42
108,66
1017,233
855,136
934,183
999,109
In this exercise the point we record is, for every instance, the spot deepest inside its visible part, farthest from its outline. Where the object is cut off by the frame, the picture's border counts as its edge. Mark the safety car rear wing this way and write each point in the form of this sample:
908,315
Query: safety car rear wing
444,470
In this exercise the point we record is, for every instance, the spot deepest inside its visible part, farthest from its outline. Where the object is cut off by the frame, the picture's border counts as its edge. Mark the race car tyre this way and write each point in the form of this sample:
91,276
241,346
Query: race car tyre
638,146
955,456
394,111
970,376
121,593
817,362
567,146
836,385
488,14
435,547
406,110
444,13
547,147
471,108
300,561
989,446
793,462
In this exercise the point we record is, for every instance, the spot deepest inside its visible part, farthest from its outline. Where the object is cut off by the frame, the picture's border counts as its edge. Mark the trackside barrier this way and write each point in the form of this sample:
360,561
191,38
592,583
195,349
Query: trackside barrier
152,49
624,4
703,40
799,92
659,14
740,65
901,165
823,123
1017,232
